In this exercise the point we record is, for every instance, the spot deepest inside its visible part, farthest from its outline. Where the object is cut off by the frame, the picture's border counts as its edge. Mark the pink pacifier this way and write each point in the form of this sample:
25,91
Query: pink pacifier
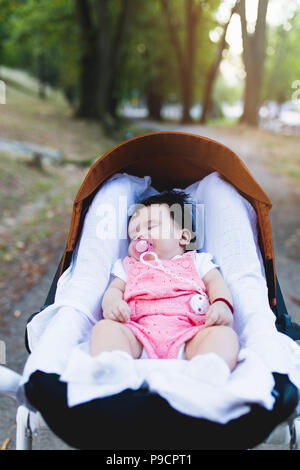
141,246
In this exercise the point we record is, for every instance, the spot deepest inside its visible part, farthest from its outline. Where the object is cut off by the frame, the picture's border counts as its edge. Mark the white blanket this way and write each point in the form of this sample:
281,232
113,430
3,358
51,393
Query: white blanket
59,335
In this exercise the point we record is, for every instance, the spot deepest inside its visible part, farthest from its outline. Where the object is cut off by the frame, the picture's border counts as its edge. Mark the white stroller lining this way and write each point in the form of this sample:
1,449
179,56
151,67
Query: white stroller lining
59,335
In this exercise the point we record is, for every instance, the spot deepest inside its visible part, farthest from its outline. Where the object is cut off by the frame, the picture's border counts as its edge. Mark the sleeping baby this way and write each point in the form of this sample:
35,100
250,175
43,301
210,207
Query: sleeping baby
166,302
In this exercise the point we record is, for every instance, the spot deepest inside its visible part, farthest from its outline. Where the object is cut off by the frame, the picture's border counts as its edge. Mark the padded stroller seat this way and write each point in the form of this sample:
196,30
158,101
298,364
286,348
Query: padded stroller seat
155,413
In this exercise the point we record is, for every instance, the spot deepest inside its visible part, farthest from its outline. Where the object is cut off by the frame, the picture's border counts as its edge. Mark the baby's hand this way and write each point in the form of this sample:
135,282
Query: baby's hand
118,311
218,314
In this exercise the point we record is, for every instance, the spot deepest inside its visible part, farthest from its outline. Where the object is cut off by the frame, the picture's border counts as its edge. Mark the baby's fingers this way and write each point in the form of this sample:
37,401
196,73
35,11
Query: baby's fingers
114,314
212,318
123,312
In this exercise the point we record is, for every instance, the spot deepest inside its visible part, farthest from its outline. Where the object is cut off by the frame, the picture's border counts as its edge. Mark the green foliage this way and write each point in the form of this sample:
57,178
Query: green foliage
225,93
207,49
150,59
282,66
36,29
43,37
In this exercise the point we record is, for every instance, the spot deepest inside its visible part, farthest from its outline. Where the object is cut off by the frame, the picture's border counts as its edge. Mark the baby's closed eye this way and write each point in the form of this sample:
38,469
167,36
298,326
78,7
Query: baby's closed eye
152,225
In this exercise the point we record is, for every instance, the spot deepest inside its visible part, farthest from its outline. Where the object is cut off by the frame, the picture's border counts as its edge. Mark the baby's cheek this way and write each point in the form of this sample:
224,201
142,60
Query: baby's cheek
131,250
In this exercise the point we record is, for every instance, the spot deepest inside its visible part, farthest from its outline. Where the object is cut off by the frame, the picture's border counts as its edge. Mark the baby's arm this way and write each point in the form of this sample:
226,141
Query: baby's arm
113,305
218,313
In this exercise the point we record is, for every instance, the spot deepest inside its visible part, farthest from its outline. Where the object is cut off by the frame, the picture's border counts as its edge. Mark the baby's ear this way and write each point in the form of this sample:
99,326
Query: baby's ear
186,237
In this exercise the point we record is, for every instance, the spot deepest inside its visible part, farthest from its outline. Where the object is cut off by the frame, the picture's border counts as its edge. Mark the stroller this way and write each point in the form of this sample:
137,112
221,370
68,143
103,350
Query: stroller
171,159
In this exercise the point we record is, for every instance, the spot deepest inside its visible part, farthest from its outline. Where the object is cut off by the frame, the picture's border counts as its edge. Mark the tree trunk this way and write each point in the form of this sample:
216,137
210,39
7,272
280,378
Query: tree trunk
253,83
104,47
187,96
186,53
154,103
100,60
254,55
42,76
89,84
189,70
116,56
212,74
89,67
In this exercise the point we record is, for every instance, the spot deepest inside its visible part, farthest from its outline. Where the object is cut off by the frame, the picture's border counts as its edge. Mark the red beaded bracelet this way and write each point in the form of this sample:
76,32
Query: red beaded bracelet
226,302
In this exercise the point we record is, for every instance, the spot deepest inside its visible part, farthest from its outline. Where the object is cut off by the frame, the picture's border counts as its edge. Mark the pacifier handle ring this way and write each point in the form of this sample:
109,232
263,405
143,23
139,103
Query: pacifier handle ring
141,246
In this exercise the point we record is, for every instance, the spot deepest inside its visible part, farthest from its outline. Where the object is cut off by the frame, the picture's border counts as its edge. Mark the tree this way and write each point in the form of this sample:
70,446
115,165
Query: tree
89,63
103,30
185,48
213,71
254,47
282,60
148,62
36,32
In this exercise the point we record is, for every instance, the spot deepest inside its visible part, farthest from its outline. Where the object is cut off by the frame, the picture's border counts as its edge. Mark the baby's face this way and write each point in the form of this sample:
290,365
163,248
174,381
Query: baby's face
155,224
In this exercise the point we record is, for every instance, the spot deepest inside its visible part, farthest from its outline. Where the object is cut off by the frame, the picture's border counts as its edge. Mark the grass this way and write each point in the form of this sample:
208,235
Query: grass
36,206
50,123
22,185
33,204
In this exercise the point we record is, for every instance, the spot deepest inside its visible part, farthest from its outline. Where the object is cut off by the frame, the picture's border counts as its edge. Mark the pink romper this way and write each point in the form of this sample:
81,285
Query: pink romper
161,317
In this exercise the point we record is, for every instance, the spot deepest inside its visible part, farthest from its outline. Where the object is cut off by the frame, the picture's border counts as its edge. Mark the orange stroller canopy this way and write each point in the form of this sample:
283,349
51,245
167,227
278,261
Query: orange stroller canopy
176,159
